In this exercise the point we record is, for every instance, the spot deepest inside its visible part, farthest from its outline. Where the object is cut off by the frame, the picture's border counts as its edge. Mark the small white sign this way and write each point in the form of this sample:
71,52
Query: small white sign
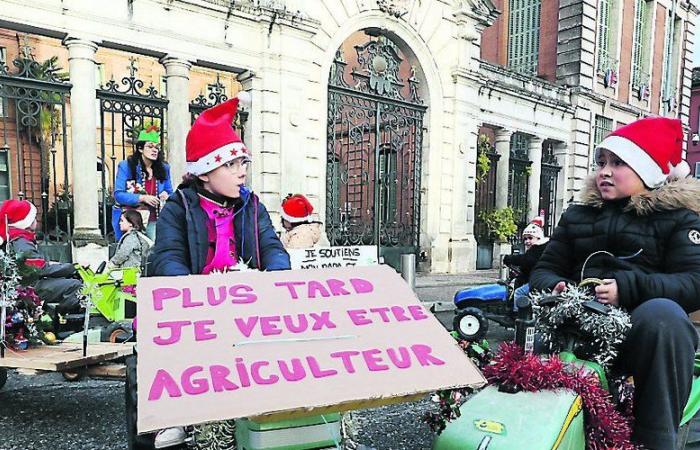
331,257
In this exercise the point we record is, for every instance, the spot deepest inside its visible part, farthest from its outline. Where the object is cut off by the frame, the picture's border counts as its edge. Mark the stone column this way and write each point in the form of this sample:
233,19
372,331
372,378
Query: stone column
254,138
533,185
177,72
88,243
502,145
561,152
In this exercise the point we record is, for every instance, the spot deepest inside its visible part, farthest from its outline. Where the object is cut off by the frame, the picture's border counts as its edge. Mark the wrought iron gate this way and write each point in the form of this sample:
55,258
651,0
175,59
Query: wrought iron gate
124,111
548,188
375,136
217,95
518,182
485,202
33,147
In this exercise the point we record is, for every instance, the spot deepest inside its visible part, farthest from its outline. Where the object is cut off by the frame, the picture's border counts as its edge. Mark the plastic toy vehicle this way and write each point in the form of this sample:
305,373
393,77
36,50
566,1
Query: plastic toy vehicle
475,306
498,418
112,309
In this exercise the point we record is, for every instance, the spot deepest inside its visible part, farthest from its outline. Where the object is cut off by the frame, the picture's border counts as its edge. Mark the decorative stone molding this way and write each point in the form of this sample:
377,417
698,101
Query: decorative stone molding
483,12
396,8
277,10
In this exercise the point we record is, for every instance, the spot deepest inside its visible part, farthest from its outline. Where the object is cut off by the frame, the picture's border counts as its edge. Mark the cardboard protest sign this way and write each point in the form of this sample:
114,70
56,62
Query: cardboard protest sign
330,257
247,344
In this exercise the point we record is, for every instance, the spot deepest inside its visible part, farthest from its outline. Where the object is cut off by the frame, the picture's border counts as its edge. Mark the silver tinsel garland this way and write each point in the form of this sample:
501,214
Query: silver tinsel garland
602,333
9,279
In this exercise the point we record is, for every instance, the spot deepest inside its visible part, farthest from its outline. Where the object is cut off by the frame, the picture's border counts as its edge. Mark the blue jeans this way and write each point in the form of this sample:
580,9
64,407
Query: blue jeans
151,231
522,291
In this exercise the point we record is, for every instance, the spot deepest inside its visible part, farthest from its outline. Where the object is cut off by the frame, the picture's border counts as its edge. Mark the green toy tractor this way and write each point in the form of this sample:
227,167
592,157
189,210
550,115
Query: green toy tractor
111,297
497,418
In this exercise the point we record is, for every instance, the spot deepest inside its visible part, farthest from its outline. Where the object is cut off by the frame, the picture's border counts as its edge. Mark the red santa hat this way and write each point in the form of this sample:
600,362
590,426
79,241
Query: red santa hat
296,209
212,141
16,214
652,147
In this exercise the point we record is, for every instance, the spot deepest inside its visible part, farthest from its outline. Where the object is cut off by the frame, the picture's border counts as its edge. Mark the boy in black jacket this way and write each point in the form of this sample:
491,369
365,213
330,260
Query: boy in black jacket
640,208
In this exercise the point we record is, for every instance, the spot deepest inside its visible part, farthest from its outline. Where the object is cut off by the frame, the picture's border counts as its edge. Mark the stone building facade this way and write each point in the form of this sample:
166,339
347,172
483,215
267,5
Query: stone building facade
373,108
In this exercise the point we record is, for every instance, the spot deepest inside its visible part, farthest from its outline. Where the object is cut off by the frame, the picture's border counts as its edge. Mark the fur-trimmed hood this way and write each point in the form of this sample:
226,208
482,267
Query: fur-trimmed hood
676,194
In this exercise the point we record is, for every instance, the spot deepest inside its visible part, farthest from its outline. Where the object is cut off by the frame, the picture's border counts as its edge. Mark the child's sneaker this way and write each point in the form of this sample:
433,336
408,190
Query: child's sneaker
170,437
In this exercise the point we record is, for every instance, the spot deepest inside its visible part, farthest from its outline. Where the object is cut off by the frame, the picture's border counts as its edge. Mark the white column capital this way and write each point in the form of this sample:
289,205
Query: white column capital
175,66
502,134
79,48
535,141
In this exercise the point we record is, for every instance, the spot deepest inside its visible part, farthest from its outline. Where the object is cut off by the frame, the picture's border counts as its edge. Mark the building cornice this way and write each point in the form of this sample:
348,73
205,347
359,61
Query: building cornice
484,12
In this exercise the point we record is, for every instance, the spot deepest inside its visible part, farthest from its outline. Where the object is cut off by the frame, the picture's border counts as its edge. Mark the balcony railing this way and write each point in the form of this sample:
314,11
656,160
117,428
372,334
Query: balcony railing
669,100
525,68
641,84
608,69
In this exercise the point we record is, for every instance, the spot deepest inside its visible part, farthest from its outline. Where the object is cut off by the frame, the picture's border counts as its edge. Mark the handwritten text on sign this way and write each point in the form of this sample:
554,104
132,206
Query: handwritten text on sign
251,343
331,257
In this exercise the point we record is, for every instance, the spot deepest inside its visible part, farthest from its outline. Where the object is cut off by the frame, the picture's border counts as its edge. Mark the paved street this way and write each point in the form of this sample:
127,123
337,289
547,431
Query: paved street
45,412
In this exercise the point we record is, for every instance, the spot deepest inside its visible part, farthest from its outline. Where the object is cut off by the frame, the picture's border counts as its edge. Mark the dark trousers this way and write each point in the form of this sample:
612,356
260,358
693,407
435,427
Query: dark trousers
659,352
63,291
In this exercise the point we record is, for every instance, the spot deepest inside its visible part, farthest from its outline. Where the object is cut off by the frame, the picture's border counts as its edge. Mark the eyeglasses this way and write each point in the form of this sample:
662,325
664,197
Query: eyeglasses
237,164
151,145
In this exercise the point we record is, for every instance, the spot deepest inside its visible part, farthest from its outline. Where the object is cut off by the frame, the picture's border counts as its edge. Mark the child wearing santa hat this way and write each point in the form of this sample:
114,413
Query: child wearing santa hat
640,207
213,222
54,283
535,243
301,230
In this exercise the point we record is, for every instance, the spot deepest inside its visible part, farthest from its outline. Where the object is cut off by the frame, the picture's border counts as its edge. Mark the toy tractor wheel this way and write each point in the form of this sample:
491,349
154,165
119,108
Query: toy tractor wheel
3,377
117,332
135,441
74,375
471,324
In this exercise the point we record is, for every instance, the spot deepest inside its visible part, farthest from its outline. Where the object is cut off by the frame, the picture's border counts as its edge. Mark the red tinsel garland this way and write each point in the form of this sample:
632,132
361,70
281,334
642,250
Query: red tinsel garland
606,428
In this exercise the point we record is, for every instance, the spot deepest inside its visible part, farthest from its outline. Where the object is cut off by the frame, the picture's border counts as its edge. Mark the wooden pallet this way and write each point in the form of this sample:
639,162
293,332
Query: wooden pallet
62,357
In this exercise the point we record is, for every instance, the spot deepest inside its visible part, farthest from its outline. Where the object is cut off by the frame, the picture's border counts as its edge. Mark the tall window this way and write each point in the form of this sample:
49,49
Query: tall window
604,49
524,36
640,43
602,127
4,177
670,72
3,101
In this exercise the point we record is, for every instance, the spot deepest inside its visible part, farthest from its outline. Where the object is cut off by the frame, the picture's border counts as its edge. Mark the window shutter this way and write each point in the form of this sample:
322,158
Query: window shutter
524,39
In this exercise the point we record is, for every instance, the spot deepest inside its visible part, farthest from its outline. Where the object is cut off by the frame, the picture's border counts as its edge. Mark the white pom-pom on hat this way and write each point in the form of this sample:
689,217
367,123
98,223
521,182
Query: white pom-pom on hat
244,99
679,171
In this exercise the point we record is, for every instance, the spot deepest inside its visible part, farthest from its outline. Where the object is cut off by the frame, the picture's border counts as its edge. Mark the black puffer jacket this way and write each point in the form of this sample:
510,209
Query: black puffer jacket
525,262
655,237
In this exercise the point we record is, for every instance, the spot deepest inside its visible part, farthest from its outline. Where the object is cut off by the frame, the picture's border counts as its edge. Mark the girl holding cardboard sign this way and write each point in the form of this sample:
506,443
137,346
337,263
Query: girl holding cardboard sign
212,223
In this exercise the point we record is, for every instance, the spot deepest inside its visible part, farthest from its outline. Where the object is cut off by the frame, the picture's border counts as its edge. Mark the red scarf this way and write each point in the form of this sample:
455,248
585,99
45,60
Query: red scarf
16,233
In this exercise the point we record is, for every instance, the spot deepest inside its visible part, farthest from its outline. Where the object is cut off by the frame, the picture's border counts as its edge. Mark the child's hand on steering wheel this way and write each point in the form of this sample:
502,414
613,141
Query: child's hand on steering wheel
607,292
